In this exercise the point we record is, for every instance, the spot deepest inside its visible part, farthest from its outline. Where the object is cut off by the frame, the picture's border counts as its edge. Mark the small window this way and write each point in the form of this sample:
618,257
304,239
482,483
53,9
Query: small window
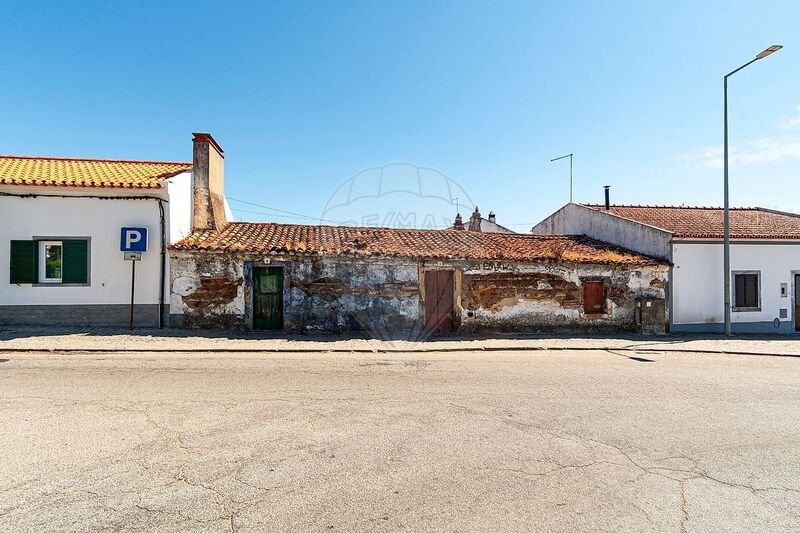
746,288
50,261
593,297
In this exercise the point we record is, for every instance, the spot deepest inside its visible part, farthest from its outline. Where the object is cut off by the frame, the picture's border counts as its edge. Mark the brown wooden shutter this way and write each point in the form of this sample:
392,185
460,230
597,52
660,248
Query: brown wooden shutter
751,290
738,290
745,288
593,298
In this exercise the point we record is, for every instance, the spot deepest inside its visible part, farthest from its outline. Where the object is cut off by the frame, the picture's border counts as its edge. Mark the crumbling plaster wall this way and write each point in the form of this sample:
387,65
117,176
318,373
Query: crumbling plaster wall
341,294
548,296
207,290
213,290
385,295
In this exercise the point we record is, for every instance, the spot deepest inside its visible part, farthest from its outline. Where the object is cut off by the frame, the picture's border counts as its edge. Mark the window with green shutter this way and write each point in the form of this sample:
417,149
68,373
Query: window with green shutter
75,261
23,261
56,262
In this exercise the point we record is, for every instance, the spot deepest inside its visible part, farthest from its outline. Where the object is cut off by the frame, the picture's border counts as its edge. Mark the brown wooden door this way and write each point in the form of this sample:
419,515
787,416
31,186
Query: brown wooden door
593,301
797,302
439,304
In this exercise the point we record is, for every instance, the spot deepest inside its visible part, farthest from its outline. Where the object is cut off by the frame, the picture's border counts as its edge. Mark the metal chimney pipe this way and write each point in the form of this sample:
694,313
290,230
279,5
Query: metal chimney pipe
608,198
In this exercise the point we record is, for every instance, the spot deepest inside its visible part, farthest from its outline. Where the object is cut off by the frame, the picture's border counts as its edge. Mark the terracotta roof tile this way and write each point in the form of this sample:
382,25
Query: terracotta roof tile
270,238
68,172
706,222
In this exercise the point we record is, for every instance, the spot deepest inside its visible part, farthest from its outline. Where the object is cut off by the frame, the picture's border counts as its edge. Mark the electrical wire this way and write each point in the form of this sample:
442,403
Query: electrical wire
292,213
282,213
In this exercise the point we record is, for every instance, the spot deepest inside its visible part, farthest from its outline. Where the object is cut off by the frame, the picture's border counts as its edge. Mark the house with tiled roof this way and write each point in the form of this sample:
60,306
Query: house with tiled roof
478,223
61,226
408,282
765,259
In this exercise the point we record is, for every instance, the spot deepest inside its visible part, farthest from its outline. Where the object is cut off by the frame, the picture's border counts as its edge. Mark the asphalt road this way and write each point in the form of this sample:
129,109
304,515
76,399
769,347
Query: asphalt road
543,441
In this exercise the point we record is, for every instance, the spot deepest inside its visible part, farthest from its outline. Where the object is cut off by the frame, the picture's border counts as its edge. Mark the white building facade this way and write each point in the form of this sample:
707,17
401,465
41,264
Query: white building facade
60,238
765,260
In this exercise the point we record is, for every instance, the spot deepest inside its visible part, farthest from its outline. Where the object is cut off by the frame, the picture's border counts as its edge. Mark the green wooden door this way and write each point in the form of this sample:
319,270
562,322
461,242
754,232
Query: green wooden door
268,298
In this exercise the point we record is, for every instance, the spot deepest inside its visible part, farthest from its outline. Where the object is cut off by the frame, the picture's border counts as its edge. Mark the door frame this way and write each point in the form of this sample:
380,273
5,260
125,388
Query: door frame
794,304
456,285
250,296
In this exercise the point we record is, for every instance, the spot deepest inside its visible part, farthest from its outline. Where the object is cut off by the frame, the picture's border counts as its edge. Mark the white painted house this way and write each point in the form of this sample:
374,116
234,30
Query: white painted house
60,229
765,260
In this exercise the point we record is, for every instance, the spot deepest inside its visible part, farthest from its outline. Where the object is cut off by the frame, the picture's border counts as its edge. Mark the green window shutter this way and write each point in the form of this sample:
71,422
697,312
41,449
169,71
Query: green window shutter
23,262
75,261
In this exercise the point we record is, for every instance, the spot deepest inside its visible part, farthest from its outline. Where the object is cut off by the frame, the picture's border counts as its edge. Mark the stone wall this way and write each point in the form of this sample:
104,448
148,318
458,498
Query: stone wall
545,297
384,296
320,294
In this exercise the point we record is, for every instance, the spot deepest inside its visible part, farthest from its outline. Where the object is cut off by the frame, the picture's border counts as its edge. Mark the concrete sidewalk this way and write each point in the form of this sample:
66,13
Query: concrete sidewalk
110,340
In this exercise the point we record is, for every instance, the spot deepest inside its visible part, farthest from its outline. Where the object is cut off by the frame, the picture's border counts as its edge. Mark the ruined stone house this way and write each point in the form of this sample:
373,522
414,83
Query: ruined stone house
389,281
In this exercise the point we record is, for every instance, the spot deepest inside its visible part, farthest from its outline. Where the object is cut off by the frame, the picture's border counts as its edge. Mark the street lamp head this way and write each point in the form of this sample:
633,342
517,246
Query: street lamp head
772,49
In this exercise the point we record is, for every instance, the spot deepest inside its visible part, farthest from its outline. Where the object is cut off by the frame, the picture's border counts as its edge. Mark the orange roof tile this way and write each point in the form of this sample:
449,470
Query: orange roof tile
69,172
706,222
412,243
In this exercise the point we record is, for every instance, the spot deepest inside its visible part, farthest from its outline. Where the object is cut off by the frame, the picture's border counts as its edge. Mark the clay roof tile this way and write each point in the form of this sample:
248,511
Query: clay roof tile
706,222
410,243
69,172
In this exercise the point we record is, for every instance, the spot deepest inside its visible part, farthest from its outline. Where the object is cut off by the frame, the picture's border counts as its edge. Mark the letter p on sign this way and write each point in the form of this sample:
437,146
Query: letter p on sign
133,240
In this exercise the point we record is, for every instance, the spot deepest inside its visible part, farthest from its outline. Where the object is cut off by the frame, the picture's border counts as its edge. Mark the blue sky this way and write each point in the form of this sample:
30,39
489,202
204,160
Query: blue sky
304,95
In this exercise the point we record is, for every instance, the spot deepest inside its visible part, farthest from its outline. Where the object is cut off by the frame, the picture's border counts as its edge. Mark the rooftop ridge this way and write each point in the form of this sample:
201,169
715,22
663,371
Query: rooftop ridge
656,206
778,212
447,229
92,159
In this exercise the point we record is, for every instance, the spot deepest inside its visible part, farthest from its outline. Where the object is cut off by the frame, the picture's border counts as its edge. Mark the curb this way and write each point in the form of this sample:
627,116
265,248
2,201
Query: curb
67,351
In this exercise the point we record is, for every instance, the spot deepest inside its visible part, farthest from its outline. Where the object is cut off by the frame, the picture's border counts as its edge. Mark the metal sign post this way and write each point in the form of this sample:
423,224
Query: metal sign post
132,242
133,287
133,257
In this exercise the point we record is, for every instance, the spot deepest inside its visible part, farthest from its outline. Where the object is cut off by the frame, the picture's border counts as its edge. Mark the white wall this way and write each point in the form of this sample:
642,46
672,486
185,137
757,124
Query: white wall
575,219
697,296
179,189
98,219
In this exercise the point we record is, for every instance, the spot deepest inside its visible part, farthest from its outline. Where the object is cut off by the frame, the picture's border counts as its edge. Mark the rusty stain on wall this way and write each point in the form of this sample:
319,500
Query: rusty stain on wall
494,291
212,292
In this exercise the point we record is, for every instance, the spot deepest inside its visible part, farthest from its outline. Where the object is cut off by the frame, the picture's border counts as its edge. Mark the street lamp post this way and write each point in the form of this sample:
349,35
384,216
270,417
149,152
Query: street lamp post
570,172
726,230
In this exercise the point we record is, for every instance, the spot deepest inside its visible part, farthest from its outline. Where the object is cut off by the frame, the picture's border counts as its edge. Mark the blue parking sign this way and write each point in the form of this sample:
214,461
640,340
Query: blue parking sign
133,240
